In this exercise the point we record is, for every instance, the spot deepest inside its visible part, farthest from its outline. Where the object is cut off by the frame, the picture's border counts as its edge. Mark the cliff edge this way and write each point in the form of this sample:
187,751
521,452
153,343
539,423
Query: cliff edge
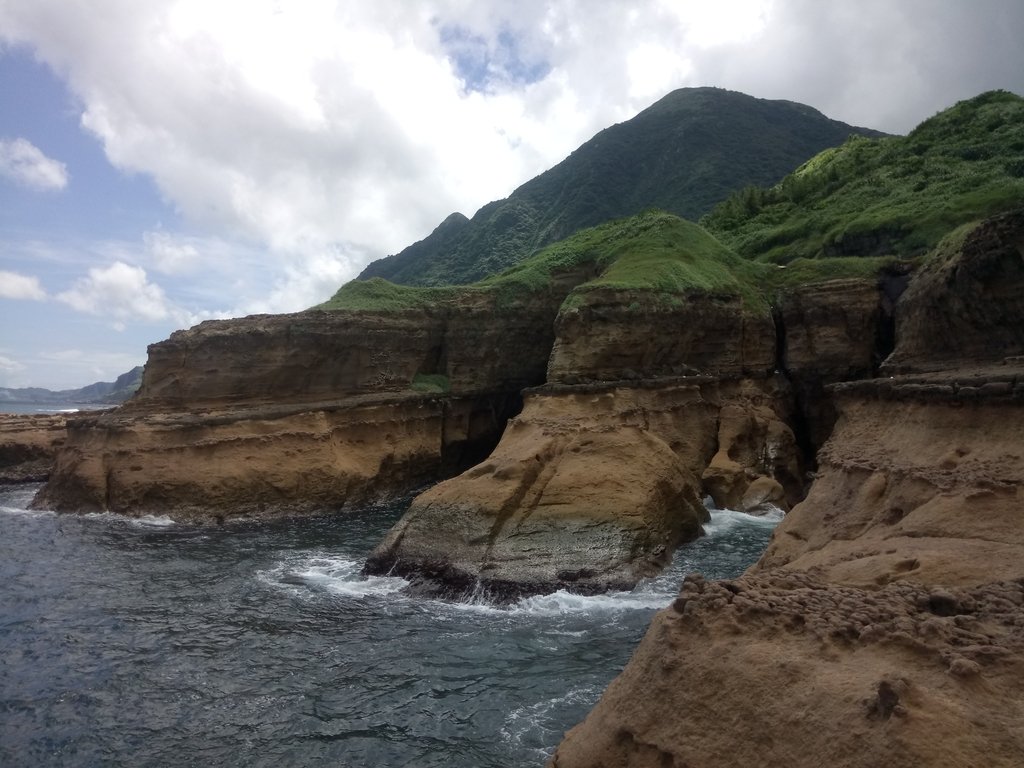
885,622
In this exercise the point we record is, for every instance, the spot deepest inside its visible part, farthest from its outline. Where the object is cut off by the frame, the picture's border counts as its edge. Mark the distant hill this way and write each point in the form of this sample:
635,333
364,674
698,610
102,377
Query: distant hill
102,392
894,196
684,154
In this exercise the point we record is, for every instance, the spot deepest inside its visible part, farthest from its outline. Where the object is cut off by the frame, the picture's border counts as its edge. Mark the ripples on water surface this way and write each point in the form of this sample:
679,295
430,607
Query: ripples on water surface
130,643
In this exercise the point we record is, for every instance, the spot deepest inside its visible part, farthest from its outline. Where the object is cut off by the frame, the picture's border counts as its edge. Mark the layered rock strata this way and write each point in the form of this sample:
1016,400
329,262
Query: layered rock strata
787,669
28,446
923,479
270,460
599,479
619,335
315,410
591,488
588,489
885,622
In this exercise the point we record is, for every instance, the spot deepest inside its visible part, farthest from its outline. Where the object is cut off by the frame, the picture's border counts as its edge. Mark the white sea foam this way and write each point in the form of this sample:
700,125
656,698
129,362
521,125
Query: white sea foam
151,521
724,520
535,722
26,512
561,603
337,575
343,576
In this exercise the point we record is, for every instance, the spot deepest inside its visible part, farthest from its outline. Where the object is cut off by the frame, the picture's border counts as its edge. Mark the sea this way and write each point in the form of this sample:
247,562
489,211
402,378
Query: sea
55,407
144,642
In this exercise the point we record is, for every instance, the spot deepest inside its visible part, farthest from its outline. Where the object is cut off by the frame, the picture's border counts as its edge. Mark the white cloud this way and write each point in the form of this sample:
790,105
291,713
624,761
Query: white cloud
9,366
23,162
301,126
171,255
306,138
121,292
15,286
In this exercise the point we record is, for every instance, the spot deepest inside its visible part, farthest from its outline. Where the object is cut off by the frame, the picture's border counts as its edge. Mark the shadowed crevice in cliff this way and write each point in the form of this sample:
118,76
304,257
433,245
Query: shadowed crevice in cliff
798,422
485,425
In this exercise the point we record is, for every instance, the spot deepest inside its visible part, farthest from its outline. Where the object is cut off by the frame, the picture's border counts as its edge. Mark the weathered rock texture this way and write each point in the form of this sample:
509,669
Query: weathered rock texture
28,445
591,487
599,479
786,669
314,357
615,335
831,331
268,461
923,479
589,490
315,410
966,307
885,623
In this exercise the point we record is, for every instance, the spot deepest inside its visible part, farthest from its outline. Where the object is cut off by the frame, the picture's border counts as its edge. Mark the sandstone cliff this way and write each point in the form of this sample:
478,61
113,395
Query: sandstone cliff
28,446
315,410
885,622
600,478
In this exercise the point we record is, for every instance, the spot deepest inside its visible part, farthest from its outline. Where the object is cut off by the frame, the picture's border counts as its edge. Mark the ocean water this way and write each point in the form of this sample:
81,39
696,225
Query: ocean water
147,643
55,407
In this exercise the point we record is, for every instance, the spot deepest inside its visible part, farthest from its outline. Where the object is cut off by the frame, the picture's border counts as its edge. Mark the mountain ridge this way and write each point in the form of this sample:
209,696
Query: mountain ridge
107,392
683,154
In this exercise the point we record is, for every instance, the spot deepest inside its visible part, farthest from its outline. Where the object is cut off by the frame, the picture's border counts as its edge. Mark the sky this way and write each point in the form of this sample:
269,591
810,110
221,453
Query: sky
173,161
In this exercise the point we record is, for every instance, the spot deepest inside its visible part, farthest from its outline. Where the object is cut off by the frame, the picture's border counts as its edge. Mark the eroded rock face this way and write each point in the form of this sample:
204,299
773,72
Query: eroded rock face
615,335
592,487
789,669
267,461
316,357
967,308
921,480
757,461
286,413
28,445
587,490
885,623
829,332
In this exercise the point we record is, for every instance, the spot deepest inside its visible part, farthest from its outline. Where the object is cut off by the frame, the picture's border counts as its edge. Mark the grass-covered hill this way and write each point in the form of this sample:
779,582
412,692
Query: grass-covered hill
654,252
683,155
895,195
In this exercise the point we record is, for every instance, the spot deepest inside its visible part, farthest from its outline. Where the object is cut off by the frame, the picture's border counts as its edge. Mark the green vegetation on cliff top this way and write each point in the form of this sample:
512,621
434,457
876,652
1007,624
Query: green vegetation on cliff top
683,155
895,196
879,200
654,253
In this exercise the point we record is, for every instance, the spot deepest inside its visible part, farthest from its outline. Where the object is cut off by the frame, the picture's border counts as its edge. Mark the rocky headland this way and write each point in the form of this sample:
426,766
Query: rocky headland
847,346
28,446
885,622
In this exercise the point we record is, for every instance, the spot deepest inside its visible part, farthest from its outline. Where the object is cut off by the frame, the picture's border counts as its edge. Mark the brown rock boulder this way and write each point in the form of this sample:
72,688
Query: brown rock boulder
28,445
786,669
588,490
966,304
916,483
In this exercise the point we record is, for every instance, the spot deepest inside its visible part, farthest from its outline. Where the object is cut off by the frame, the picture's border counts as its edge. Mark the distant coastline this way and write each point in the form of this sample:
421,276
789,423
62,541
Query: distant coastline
102,394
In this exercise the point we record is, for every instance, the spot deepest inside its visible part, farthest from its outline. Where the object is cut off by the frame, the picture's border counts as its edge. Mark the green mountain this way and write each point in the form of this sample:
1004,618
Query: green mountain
683,155
896,196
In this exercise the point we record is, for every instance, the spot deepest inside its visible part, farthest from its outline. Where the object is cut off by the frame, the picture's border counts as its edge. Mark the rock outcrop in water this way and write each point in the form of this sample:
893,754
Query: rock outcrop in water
278,414
600,478
28,446
885,622
650,401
